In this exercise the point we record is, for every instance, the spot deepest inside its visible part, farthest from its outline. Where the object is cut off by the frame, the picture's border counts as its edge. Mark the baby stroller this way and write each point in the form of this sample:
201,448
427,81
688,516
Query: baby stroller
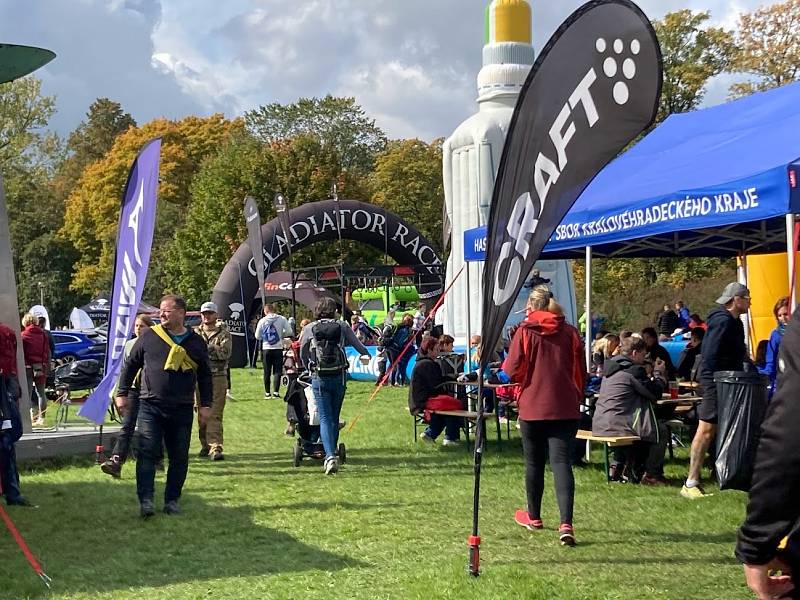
80,375
298,385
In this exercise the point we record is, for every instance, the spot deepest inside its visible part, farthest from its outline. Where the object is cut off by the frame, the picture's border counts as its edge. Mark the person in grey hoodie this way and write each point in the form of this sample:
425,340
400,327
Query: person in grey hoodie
270,332
625,407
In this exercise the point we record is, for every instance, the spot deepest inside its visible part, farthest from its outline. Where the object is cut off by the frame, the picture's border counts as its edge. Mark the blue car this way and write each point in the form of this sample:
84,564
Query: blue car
675,346
78,345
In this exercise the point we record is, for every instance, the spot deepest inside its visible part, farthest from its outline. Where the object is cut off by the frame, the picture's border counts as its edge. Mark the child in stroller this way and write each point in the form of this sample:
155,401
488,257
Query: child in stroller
307,423
299,419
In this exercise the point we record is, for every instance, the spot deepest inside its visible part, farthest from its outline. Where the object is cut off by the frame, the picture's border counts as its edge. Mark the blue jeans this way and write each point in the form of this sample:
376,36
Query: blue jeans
329,394
450,424
172,424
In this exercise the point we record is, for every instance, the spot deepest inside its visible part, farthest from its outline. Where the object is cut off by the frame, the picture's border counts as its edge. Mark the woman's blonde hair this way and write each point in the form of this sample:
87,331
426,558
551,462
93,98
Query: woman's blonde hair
540,297
555,308
30,319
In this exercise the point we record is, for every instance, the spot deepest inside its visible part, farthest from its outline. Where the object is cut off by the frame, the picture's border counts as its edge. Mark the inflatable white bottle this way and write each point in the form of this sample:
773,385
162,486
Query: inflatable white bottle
472,157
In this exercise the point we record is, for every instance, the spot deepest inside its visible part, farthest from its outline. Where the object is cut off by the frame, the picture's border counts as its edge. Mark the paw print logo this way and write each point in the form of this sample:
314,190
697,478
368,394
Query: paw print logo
611,66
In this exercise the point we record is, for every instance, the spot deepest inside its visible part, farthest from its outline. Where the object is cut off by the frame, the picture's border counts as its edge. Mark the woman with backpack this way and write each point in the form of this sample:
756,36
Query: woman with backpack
322,344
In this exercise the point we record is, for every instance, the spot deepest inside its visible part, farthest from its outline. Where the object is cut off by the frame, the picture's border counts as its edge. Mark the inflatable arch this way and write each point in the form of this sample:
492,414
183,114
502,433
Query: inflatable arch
317,222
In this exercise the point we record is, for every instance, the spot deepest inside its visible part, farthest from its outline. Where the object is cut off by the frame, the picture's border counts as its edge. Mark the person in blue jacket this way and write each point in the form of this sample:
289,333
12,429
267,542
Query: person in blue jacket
783,313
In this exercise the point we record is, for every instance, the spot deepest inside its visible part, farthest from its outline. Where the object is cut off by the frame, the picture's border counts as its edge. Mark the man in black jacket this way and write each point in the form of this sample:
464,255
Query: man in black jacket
773,511
173,361
723,350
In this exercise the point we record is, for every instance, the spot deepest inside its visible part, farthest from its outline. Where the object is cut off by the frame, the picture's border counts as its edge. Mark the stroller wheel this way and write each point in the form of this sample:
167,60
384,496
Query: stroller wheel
297,454
342,454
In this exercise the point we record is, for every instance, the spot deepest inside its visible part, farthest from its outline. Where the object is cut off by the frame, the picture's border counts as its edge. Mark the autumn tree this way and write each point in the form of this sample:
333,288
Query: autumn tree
692,54
93,206
768,42
90,142
407,180
338,123
302,169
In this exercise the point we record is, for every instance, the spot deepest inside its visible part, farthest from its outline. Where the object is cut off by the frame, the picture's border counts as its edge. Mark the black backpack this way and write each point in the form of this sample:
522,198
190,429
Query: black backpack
327,353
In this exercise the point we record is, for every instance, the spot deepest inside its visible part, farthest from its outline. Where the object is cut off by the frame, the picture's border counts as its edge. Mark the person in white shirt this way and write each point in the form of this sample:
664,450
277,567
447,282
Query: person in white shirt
271,330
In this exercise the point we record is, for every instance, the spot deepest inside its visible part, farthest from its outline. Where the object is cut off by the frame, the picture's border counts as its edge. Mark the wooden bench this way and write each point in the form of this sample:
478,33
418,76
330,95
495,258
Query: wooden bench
467,415
608,442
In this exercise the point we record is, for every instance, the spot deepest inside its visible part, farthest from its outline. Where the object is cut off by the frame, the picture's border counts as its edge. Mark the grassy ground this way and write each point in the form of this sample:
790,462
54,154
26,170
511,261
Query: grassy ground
392,524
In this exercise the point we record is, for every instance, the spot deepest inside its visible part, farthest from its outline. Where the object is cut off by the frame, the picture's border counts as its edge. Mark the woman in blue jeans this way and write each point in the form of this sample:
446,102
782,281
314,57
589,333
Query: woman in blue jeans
322,344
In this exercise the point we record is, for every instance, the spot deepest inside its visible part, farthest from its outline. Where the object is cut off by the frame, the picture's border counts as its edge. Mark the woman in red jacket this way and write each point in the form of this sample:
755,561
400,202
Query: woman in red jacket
36,349
546,359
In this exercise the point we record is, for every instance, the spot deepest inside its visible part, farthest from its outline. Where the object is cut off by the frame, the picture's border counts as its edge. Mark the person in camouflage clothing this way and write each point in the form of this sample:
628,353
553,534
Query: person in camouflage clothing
218,338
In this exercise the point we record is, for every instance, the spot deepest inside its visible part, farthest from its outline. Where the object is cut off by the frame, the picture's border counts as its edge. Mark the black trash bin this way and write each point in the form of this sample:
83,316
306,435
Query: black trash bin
741,405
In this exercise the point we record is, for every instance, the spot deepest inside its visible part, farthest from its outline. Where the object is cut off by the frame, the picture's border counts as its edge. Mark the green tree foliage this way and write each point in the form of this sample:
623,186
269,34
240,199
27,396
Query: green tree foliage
24,112
768,42
407,180
92,212
28,157
302,169
692,54
652,283
338,123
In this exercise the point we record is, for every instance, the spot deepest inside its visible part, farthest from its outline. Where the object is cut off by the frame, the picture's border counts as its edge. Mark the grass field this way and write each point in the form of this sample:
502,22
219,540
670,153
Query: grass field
392,524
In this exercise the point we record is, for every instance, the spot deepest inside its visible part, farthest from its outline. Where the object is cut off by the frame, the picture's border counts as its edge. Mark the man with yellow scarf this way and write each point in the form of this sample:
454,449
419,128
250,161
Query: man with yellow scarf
173,361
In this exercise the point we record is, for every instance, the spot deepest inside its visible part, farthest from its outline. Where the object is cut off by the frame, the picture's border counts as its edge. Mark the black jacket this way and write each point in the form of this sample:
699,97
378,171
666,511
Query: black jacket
723,345
773,510
668,322
427,380
149,354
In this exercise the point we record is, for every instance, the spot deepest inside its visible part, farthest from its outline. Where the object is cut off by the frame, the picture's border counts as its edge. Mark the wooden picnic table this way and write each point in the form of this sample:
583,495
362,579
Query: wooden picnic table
682,399
493,387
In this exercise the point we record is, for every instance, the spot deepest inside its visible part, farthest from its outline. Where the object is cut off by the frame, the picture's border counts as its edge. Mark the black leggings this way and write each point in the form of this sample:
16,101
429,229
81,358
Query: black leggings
537,438
273,366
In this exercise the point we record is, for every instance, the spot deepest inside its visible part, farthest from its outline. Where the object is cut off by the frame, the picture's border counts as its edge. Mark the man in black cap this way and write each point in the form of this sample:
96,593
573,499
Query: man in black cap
723,350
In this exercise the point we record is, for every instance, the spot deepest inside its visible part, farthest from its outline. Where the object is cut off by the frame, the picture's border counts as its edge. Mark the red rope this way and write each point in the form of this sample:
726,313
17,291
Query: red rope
22,544
400,356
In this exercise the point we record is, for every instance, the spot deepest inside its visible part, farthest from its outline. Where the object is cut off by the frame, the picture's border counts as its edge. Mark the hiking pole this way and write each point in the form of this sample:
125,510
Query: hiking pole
474,540
22,544
402,352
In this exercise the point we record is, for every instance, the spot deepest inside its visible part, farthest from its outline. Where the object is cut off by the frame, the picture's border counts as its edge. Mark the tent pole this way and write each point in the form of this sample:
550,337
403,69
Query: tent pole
469,332
741,268
791,244
588,340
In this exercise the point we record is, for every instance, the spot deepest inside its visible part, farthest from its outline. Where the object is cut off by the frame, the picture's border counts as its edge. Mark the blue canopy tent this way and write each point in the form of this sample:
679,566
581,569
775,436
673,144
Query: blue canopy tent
721,181
713,182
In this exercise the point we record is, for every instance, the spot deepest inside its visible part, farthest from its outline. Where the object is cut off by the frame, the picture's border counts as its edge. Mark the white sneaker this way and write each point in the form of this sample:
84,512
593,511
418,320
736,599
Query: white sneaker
331,465
426,438
446,442
276,394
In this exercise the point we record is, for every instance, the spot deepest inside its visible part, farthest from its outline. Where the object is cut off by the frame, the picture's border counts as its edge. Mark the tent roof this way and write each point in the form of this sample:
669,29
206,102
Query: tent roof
722,170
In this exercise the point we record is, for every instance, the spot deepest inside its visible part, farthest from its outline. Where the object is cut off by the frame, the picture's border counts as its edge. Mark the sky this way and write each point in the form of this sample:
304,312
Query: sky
411,64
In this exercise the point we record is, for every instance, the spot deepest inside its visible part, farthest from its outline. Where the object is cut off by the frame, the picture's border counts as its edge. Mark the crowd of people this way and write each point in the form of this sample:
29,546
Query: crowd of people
171,372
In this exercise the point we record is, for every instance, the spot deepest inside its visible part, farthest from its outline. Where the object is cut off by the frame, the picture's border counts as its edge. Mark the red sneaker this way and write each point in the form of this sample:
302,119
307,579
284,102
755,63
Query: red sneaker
566,535
521,517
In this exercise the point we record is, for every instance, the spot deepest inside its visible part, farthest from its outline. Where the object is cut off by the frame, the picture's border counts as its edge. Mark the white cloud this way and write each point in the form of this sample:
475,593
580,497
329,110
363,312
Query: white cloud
410,64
